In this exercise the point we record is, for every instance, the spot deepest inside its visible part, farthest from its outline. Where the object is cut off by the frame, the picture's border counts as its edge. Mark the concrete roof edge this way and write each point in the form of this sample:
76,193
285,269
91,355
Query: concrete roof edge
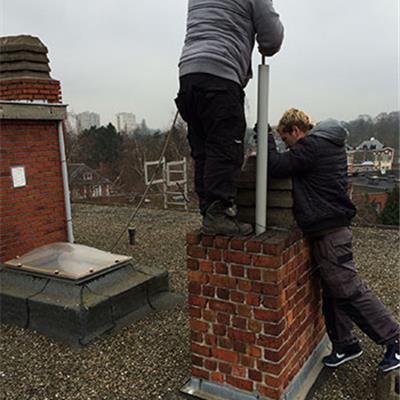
36,111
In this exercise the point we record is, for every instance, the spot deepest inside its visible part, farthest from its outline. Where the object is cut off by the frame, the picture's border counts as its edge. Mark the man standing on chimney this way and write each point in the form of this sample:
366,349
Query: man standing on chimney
214,68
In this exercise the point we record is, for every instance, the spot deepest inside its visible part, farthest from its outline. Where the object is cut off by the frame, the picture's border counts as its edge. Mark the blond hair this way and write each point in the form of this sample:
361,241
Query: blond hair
294,117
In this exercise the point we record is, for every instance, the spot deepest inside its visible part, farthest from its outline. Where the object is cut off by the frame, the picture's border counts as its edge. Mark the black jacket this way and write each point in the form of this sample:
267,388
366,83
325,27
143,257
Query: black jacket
318,166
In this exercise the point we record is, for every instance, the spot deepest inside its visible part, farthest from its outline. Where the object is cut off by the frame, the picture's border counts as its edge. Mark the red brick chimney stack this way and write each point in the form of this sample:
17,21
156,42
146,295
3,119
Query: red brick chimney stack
257,330
32,209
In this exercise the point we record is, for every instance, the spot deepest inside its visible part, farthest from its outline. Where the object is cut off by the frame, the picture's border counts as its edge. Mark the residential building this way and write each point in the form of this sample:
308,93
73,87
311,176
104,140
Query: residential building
373,188
87,119
126,122
371,144
87,183
364,161
384,159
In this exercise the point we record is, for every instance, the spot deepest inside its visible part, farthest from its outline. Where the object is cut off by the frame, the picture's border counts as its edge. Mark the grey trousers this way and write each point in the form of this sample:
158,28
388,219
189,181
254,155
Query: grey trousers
345,297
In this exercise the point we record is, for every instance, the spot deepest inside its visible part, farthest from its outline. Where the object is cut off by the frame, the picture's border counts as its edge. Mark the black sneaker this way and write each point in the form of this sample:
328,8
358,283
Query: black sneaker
220,220
391,359
337,358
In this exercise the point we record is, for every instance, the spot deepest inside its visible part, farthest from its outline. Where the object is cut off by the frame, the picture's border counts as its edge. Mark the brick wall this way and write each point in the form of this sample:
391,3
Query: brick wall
255,310
31,89
377,200
33,215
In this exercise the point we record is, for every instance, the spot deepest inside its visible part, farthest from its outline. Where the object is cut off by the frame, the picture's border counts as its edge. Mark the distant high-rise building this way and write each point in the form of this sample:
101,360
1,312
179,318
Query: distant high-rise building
126,122
88,119
71,123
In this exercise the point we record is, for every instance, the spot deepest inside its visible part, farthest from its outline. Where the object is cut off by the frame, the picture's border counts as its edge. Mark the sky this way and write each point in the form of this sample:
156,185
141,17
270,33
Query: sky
339,58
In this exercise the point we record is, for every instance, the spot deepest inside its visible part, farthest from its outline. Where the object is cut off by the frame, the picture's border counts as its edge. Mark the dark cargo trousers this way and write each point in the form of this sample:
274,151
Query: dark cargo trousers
214,111
345,297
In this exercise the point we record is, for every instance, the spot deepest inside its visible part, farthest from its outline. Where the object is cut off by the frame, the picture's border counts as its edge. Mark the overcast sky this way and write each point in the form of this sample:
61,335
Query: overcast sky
339,58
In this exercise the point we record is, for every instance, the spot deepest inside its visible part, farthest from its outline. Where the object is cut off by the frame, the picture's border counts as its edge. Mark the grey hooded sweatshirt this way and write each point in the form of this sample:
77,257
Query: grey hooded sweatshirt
221,34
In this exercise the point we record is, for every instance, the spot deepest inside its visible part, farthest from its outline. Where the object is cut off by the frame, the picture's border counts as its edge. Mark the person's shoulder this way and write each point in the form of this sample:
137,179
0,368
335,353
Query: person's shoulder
317,141
310,146
308,141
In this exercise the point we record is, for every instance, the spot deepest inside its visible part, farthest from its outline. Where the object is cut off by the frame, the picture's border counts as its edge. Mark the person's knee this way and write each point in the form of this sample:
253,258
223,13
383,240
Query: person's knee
349,288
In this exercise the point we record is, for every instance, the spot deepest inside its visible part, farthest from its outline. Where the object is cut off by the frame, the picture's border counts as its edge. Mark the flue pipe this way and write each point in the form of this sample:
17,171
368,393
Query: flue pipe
64,171
262,147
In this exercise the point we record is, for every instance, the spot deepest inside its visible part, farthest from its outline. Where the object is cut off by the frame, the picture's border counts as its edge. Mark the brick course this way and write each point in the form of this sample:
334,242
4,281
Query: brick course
29,89
255,310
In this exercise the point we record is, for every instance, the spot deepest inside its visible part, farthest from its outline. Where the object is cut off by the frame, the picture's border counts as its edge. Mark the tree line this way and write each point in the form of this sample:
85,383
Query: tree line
121,157
384,127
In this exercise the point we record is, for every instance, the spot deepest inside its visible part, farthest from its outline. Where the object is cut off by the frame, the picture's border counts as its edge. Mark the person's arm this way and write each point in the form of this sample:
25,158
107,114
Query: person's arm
268,27
297,161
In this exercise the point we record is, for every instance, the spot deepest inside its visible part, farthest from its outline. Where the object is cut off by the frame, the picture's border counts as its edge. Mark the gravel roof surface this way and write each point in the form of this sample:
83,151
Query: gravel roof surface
150,358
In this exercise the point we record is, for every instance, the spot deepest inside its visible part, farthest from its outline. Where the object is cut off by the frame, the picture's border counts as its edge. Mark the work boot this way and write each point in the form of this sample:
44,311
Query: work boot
221,220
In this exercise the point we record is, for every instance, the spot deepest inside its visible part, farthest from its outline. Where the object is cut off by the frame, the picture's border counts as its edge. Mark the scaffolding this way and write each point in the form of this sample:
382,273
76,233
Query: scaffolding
172,179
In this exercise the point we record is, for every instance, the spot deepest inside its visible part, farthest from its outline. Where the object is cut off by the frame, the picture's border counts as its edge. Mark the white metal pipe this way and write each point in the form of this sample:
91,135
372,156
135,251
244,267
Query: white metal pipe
64,172
262,148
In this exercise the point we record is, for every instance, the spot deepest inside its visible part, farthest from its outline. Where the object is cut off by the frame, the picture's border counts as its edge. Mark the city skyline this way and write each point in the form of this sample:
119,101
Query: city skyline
122,120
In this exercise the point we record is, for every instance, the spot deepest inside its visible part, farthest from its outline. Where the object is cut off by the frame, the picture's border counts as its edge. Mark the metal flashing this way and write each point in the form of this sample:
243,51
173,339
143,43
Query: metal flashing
308,374
297,389
206,390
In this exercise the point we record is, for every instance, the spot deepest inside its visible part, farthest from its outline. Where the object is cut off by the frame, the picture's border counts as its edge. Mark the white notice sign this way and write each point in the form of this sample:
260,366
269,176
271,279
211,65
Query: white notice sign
18,176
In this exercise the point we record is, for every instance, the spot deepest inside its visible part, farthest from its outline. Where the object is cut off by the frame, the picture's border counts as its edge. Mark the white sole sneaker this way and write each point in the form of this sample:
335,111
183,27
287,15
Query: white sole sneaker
393,367
344,360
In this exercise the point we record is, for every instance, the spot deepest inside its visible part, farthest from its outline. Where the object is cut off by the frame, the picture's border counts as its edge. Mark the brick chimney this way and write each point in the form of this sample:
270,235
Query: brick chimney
32,207
257,330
